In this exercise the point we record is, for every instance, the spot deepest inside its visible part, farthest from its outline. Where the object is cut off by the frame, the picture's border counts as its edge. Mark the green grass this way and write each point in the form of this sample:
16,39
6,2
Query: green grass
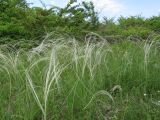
75,81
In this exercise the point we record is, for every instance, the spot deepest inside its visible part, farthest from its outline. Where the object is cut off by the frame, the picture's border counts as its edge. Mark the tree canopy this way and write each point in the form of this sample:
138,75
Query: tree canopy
19,21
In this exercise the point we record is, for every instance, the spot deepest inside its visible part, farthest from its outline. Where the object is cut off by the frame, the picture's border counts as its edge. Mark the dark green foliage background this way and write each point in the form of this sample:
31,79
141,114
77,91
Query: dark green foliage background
28,25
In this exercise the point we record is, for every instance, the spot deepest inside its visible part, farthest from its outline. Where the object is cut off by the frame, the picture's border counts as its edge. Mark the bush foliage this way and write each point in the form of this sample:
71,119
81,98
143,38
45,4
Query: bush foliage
19,21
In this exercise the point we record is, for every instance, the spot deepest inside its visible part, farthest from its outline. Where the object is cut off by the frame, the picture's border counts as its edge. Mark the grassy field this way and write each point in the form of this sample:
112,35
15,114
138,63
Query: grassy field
75,81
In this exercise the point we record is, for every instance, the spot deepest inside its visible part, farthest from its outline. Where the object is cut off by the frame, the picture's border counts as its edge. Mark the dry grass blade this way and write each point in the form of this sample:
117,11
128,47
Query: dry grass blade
101,92
31,85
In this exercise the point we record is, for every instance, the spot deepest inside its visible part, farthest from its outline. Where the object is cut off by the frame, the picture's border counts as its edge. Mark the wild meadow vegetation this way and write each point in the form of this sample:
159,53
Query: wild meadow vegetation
66,64
81,81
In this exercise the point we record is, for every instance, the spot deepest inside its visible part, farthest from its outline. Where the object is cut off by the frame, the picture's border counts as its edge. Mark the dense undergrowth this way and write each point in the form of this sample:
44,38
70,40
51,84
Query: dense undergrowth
20,23
66,79
83,69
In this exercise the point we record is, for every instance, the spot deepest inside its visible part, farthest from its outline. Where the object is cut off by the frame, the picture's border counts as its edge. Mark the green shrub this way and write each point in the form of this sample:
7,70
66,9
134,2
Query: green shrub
137,31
